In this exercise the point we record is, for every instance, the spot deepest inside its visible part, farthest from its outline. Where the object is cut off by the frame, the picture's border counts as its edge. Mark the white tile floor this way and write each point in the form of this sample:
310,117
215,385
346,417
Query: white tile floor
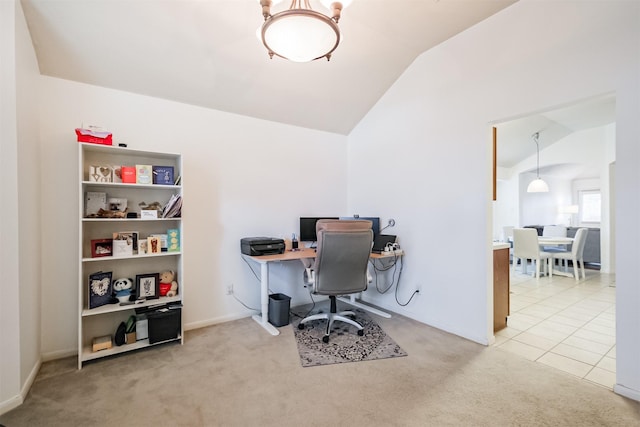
564,324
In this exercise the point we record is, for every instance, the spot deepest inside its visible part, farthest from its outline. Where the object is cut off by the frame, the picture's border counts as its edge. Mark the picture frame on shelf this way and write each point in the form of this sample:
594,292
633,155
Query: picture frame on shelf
94,202
148,286
100,173
154,245
101,248
100,289
117,174
131,238
142,246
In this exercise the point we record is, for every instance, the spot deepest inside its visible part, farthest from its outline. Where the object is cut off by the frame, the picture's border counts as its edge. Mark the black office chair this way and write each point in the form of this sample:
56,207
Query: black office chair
340,267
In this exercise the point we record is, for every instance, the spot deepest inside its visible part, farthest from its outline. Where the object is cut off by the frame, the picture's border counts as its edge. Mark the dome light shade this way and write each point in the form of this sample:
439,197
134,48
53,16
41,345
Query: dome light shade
538,186
316,35
301,34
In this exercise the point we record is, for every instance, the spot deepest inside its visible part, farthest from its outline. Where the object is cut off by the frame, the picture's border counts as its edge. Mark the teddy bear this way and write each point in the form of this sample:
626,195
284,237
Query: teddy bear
123,287
168,286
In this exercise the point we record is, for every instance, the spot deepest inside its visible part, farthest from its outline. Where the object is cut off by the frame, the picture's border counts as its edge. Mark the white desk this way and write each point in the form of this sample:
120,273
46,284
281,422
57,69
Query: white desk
264,261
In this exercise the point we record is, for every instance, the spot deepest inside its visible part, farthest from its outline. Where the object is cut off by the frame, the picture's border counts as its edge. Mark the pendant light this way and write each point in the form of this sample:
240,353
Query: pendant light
537,185
299,33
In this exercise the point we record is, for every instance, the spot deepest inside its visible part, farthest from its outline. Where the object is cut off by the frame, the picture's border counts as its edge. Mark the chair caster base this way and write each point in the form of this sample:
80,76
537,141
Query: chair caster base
325,339
301,326
361,332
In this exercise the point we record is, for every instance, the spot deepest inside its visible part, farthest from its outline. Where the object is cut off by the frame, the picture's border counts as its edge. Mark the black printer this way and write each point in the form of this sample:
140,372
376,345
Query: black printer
255,246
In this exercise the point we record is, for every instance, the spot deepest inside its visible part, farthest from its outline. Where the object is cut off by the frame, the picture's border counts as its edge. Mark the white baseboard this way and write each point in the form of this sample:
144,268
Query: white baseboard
16,401
627,392
214,321
60,354
10,404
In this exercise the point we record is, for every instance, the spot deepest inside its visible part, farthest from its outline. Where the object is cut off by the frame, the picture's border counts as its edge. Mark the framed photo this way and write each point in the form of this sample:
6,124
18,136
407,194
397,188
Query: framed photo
148,286
131,238
100,288
101,247
142,246
154,245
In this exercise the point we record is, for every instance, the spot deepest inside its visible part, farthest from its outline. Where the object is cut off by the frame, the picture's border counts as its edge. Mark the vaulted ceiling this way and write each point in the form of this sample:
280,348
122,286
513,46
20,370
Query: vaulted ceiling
206,53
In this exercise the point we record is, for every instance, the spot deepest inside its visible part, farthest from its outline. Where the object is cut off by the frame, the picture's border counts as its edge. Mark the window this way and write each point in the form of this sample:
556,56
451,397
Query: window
590,206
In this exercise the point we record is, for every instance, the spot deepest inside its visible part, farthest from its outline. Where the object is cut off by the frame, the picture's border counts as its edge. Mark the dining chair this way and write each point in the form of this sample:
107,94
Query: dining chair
526,247
575,255
555,231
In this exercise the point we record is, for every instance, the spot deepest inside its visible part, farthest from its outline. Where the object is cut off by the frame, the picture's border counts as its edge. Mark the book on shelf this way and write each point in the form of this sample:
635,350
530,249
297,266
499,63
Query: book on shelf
173,240
173,208
163,175
128,174
100,288
143,174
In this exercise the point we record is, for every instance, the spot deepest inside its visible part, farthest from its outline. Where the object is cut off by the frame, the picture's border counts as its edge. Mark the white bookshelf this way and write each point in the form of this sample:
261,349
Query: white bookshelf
104,320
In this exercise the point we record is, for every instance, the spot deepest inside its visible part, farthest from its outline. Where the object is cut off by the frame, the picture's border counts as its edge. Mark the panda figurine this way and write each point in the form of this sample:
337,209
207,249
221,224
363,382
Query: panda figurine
122,288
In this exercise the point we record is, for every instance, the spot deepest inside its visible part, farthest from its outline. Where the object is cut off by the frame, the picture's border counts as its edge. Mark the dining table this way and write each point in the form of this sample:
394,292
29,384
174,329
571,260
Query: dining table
557,241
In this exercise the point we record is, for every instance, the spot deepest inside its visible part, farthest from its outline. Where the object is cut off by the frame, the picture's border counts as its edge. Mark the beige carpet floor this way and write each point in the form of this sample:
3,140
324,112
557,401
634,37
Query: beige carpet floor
235,374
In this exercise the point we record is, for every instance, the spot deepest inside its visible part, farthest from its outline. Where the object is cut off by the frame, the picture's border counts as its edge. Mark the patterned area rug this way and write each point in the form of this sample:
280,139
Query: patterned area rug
345,345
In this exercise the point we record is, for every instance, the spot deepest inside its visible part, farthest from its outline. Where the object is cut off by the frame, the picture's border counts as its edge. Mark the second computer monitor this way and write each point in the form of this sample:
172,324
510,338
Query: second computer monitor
375,222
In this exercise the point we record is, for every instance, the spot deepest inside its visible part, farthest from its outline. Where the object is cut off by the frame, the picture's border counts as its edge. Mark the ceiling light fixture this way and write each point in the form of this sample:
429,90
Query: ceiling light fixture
300,34
537,185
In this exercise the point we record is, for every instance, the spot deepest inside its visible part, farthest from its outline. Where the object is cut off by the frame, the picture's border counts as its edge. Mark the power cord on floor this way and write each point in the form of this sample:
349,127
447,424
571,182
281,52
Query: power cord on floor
312,306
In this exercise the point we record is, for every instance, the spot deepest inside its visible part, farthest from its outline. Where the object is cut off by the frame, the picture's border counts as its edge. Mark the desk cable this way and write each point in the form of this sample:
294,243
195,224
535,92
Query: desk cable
387,268
393,265
233,294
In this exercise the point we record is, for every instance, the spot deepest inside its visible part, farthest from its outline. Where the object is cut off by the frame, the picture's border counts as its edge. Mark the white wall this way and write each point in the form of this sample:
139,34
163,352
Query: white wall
9,265
434,127
242,177
20,215
29,184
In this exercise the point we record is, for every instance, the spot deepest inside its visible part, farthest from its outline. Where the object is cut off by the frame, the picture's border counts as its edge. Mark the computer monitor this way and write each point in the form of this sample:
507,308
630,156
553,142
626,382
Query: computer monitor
308,228
375,222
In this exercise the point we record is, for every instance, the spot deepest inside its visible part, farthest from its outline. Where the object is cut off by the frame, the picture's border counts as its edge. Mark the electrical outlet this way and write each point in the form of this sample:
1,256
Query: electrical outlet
230,289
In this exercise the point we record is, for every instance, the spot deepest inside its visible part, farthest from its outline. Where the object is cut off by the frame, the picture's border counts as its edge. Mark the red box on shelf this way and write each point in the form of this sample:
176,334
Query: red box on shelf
94,137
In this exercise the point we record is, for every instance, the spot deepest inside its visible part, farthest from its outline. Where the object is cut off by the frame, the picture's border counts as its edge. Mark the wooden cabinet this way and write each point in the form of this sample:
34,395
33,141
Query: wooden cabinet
94,257
500,288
